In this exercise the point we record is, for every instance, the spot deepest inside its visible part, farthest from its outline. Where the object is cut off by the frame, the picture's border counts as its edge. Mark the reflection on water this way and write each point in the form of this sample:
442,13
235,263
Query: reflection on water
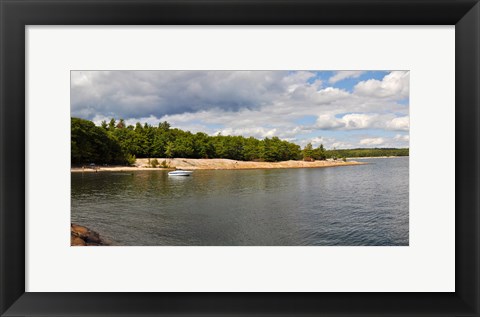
350,205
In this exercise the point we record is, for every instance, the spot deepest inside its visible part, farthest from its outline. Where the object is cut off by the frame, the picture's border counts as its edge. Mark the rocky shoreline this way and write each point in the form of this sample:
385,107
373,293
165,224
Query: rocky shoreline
215,164
83,236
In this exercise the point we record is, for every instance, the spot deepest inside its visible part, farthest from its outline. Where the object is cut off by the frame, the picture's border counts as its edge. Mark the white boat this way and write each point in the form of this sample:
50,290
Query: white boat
180,173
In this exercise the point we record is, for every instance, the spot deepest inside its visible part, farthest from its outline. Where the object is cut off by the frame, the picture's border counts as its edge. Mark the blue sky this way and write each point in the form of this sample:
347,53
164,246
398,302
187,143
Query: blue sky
339,109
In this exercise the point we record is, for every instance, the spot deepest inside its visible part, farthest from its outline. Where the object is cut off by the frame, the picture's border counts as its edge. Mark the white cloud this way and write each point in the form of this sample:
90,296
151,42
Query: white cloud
329,122
402,138
344,74
341,145
357,121
328,143
372,141
357,141
316,141
394,85
330,94
400,123
259,133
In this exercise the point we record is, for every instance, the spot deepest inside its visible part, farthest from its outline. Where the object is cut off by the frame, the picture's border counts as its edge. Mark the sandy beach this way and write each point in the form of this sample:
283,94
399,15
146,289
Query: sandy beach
215,164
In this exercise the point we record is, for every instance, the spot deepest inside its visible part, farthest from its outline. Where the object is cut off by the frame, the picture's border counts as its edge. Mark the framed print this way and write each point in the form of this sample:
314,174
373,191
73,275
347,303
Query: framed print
238,147
155,154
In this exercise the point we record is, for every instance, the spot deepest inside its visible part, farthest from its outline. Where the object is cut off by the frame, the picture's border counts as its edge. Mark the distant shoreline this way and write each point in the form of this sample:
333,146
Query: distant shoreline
374,157
213,164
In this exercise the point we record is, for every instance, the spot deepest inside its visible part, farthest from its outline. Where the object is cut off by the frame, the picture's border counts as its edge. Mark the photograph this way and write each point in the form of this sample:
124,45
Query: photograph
239,158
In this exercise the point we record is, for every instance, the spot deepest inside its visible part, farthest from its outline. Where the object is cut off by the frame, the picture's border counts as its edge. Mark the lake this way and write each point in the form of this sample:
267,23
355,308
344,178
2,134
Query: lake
362,205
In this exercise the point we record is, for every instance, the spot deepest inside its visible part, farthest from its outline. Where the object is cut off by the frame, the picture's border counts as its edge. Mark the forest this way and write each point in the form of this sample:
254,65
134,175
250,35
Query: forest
116,143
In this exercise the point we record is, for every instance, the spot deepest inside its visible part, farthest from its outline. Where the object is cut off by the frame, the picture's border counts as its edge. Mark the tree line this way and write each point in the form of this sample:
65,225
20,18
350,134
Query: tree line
116,143
374,152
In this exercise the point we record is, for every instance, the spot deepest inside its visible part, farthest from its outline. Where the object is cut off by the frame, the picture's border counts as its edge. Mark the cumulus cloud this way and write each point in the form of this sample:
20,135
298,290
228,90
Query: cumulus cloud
344,74
399,123
395,85
356,121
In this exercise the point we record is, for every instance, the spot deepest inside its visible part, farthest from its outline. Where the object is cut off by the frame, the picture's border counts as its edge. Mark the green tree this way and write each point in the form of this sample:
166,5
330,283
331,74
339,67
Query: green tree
183,146
274,150
92,144
104,125
111,125
308,152
295,152
252,149
165,126
203,146
319,153
169,149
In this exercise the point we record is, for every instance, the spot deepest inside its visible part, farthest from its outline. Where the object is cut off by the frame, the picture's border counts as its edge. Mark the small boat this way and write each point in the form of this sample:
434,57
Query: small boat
180,173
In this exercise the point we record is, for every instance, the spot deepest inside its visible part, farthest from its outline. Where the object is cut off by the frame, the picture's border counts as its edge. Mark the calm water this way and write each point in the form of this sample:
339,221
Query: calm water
351,205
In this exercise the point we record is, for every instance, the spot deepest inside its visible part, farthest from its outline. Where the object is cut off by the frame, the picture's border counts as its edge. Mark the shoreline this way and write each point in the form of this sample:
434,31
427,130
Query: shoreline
83,236
375,157
214,164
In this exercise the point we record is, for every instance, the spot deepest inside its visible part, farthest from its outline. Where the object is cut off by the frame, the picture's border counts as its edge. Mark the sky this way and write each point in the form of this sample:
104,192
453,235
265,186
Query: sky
339,109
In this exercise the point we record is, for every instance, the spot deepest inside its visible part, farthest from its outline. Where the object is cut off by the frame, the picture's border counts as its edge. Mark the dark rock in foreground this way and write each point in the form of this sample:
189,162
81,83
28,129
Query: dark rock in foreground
82,236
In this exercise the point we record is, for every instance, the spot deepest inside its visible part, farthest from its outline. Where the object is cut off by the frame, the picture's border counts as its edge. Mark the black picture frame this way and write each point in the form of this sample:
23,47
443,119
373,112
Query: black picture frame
16,14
